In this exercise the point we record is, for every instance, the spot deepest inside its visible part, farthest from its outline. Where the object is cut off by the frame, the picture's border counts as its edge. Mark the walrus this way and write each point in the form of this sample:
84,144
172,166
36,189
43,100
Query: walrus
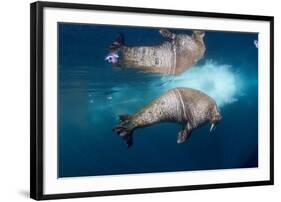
178,53
189,107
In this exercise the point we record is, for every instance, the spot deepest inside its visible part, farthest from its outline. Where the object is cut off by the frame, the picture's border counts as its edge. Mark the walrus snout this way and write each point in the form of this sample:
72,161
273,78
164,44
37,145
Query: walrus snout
198,35
199,32
215,119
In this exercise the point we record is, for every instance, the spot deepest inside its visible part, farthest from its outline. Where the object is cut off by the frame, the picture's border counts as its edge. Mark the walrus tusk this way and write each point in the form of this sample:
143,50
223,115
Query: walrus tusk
212,127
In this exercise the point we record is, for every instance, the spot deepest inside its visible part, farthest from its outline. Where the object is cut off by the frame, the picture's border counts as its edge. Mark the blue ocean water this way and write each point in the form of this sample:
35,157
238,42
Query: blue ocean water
91,95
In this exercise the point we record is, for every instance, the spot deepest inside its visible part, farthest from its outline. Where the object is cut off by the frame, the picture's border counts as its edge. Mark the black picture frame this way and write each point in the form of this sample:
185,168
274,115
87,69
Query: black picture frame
37,99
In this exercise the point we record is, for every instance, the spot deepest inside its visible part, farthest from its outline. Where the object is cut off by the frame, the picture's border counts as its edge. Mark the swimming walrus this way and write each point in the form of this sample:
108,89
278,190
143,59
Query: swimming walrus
173,56
191,108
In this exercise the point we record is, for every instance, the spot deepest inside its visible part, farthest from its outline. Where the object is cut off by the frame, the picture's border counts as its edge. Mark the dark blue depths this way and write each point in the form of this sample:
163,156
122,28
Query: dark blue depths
91,94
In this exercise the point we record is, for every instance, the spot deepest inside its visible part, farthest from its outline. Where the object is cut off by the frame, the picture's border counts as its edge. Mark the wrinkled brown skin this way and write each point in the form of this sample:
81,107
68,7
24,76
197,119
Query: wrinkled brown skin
174,56
191,108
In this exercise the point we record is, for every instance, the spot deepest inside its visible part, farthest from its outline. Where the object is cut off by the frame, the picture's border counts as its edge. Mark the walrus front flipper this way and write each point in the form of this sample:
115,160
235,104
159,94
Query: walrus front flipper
184,133
167,34
119,41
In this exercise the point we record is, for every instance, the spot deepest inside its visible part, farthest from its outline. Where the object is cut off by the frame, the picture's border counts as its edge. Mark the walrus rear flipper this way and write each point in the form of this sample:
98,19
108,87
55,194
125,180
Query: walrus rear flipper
125,133
119,41
128,138
124,117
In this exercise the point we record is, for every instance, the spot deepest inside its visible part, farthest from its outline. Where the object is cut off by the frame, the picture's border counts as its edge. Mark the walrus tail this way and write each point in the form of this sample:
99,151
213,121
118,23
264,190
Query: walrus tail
119,41
124,131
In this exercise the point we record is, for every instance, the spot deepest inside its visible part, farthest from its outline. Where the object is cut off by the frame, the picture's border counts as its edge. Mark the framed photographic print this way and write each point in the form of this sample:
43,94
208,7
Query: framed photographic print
134,100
